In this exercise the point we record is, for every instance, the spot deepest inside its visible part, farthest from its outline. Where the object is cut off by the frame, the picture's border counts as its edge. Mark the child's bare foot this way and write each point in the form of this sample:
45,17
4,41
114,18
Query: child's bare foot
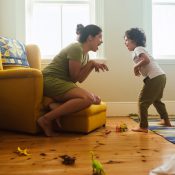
46,126
140,130
165,122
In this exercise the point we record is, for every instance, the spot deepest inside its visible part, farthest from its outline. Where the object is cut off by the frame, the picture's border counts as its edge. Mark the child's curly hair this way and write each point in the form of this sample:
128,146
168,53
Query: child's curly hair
137,35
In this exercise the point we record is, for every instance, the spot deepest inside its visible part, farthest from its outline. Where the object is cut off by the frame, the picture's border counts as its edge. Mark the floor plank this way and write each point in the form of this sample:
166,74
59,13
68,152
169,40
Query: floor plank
126,153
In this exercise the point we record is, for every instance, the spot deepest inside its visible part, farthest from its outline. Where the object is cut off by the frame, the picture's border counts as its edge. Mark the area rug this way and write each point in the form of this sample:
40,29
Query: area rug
166,132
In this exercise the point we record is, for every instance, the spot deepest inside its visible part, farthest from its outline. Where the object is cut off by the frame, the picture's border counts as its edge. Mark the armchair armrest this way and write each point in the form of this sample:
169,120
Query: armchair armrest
20,73
21,92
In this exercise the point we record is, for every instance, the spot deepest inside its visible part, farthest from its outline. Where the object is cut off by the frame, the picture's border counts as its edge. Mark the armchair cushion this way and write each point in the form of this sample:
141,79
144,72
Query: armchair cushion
13,53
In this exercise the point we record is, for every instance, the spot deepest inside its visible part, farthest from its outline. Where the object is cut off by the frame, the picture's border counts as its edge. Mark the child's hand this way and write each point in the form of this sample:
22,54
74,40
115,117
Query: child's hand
137,71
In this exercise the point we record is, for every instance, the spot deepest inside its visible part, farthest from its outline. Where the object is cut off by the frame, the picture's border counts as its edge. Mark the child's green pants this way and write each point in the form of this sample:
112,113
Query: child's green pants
152,93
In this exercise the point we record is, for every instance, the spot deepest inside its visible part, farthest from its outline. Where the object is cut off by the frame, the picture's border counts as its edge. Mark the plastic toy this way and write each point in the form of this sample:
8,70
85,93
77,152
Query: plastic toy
97,166
121,128
67,160
22,152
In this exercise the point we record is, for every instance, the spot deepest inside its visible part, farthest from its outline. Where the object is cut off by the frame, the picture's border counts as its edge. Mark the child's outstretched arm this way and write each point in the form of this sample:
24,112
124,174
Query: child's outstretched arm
144,60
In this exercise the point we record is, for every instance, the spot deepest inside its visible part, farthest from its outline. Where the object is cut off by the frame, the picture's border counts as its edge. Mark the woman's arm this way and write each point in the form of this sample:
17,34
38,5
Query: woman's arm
79,73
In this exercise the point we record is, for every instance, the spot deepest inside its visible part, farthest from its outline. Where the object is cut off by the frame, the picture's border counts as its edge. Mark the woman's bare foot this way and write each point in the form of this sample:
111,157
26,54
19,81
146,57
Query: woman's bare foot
165,122
58,123
140,130
47,127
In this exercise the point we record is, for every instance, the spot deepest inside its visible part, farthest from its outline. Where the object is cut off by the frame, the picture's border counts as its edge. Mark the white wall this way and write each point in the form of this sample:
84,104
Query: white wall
12,17
119,87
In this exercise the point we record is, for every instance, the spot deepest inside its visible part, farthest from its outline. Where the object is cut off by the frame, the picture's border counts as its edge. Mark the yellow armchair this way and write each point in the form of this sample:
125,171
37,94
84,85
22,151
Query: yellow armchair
21,92
22,102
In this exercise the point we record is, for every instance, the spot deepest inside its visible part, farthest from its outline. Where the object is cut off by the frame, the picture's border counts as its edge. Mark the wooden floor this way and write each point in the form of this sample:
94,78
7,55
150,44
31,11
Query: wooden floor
126,153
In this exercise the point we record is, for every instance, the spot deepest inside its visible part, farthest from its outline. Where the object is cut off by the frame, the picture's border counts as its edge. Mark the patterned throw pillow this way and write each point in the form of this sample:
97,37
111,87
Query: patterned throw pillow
1,67
12,52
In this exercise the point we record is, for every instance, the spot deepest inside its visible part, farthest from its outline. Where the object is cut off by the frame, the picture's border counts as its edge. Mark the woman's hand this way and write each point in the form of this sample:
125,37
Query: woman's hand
96,99
100,66
79,73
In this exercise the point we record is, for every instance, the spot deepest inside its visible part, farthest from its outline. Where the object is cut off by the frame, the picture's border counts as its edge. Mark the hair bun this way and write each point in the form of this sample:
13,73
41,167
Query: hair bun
79,28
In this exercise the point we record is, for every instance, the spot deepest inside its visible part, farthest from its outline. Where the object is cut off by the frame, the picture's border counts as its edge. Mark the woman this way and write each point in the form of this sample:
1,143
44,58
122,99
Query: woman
71,65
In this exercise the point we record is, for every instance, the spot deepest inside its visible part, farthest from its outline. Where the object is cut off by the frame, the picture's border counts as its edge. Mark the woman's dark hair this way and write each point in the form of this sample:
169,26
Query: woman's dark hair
89,30
137,35
79,28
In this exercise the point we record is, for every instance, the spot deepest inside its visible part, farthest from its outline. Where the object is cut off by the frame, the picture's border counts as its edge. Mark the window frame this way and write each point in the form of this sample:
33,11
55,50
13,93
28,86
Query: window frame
96,17
162,59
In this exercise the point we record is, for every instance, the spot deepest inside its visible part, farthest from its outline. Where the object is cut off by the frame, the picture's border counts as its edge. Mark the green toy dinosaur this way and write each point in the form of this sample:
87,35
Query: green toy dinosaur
97,166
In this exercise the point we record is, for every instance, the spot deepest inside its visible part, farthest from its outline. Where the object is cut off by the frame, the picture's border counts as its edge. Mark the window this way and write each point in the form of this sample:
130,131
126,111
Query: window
163,27
52,23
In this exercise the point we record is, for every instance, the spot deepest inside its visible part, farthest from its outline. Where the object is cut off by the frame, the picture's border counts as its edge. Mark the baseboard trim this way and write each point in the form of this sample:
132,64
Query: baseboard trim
126,108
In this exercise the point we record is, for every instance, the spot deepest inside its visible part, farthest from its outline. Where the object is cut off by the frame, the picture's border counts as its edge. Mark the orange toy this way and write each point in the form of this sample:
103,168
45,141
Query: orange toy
121,128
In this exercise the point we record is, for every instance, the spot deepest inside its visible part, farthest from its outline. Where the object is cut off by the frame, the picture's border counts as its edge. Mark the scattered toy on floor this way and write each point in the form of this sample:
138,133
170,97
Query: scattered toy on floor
67,160
22,152
121,128
96,166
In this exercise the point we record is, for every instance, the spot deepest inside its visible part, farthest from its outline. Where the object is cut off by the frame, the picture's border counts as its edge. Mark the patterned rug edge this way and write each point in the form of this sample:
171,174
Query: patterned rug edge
168,133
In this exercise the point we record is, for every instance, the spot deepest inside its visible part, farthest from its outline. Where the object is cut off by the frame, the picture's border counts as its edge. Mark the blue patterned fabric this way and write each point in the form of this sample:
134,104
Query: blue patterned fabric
12,52
167,132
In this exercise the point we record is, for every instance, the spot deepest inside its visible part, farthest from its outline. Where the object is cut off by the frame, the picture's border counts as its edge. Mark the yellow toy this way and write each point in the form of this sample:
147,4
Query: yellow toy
121,128
22,152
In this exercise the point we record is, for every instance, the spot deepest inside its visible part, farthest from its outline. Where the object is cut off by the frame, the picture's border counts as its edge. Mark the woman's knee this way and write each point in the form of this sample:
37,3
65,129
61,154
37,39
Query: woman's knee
88,99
